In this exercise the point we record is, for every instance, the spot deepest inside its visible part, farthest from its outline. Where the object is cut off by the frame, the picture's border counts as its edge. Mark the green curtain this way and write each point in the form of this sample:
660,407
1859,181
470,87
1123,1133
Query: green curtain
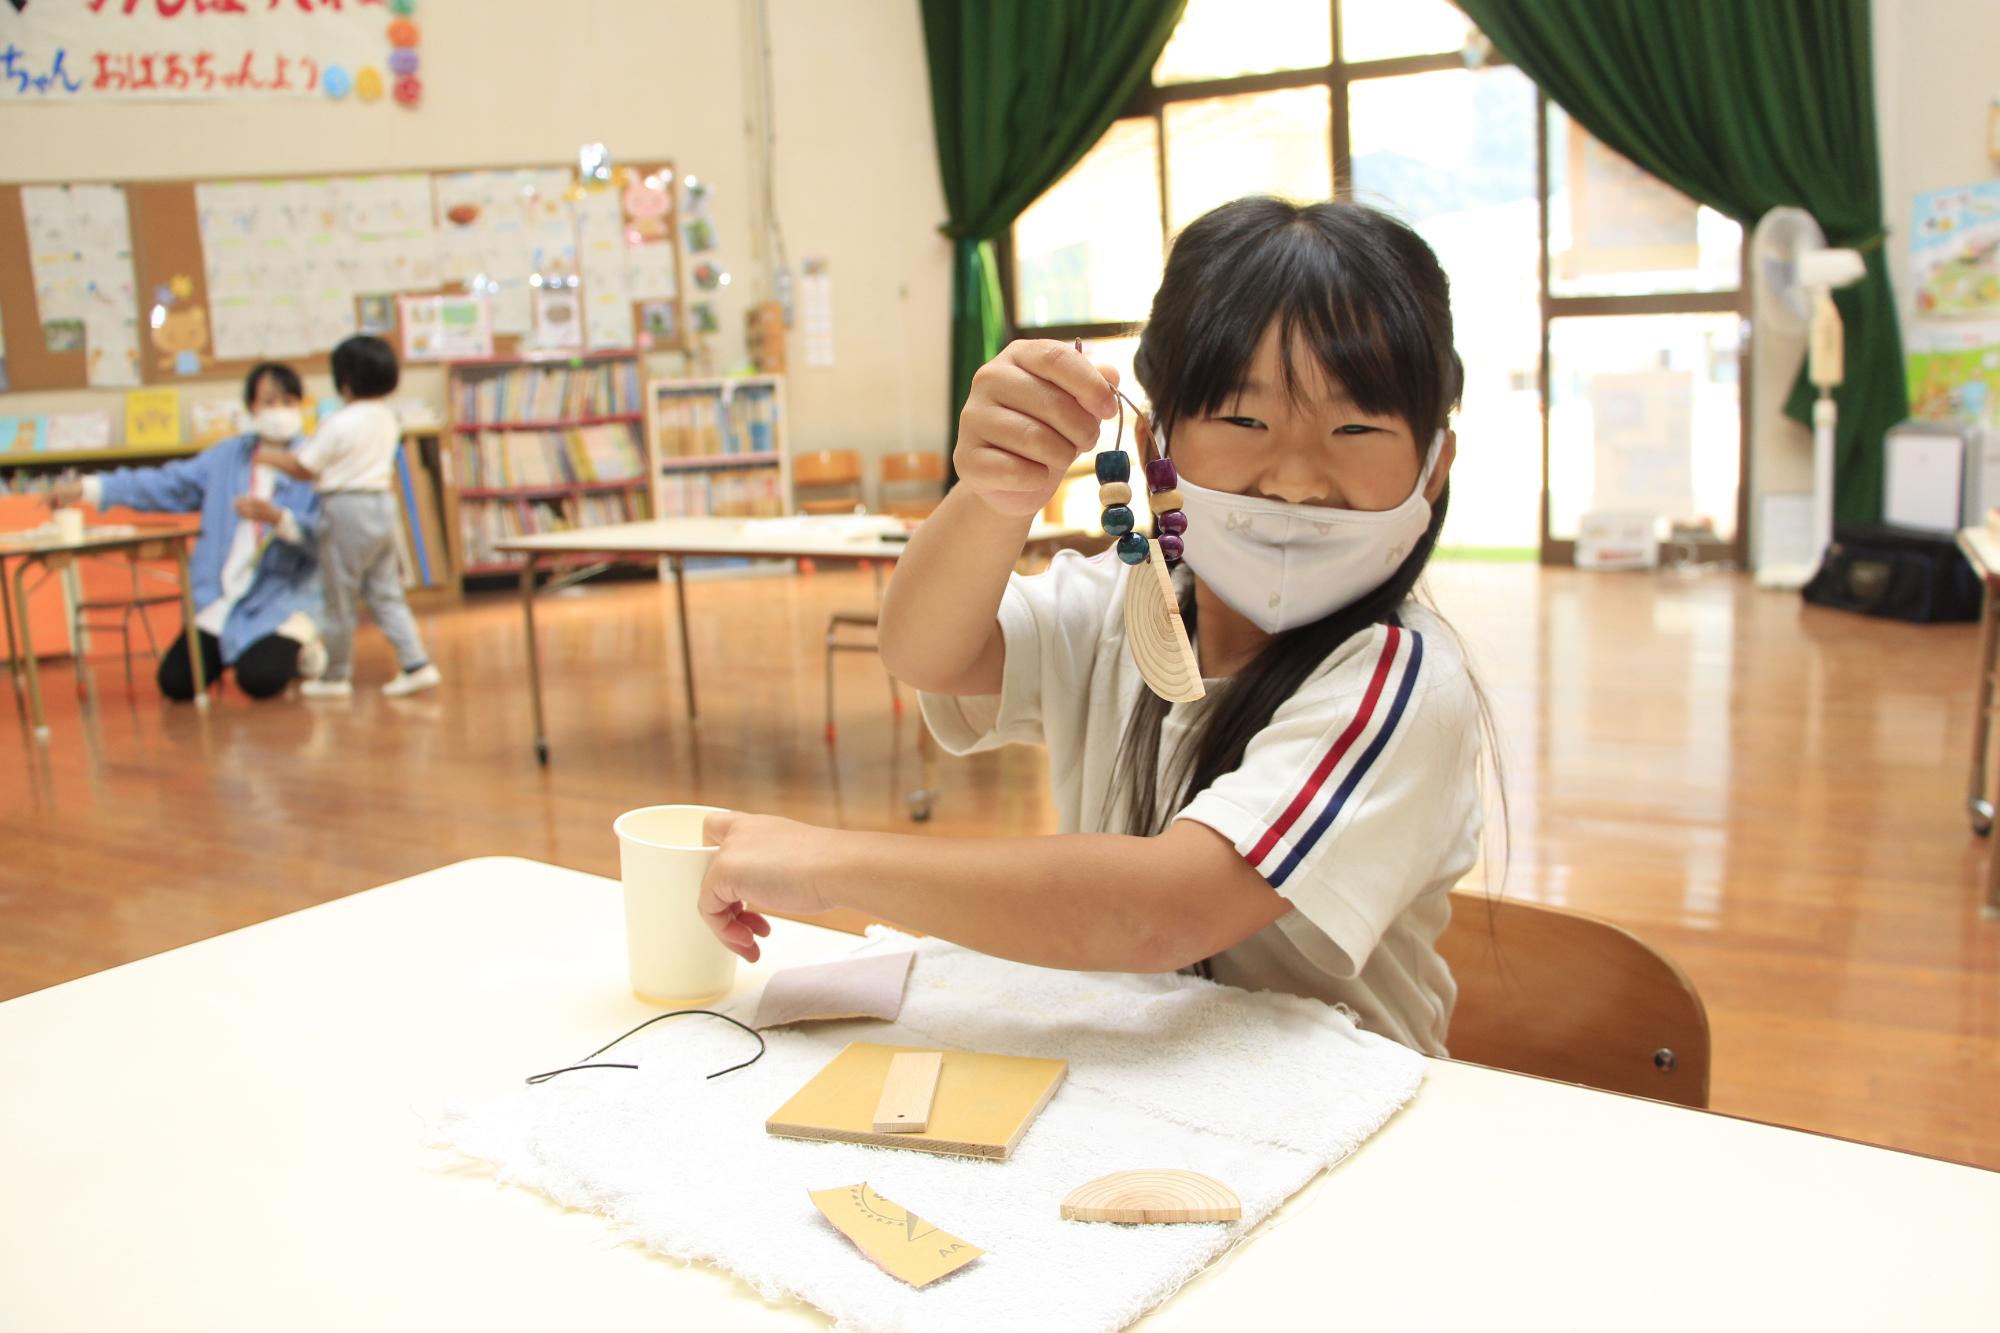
1020,90
1743,105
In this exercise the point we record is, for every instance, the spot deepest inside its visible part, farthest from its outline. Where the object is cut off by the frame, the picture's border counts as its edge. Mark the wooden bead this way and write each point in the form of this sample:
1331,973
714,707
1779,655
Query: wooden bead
1114,465
1163,501
1118,520
1114,493
1161,475
1171,520
1132,548
1171,547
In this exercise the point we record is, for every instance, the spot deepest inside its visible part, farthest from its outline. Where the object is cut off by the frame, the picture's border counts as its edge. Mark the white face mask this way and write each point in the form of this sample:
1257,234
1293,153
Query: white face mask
279,425
1283,565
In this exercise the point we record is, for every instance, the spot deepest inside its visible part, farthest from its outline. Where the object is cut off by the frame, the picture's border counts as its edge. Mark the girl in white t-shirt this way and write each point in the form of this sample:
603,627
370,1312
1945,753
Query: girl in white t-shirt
1299,828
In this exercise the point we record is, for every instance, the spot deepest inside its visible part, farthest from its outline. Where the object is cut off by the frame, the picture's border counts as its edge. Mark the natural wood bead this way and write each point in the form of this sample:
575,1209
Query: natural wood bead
1162,501
1114,493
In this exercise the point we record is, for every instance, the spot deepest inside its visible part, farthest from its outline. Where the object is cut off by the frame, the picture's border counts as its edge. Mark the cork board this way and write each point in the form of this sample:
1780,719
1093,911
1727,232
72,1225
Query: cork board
30,365
167,254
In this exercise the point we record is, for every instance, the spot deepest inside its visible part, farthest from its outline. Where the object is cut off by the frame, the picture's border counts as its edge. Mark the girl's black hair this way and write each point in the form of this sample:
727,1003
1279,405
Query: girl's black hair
365,367
1368,299
287,379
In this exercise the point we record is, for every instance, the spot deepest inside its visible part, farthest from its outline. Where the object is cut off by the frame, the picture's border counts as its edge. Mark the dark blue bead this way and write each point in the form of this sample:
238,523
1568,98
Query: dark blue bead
1118,520
1132,548
1114,465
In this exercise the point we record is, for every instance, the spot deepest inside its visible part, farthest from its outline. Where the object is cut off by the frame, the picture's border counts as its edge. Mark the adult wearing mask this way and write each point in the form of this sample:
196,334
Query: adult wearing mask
255,566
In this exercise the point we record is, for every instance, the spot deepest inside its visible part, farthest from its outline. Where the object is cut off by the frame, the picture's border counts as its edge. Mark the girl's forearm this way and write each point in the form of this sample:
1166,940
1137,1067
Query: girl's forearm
939,618
1092,901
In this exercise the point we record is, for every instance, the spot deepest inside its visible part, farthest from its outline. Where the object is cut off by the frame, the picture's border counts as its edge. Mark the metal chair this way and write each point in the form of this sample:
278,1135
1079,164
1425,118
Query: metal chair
124,609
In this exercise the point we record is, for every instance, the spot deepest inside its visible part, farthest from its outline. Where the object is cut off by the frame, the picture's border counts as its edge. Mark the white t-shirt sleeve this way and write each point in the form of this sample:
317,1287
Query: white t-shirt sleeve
1053,625
1359,794
326,445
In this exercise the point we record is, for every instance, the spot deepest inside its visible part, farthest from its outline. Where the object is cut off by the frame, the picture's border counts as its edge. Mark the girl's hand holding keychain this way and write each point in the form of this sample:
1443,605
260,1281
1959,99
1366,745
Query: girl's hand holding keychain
1032,411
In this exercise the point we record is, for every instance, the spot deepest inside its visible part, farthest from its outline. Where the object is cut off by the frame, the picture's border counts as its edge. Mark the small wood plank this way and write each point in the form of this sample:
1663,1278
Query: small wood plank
1153,1196
905,1107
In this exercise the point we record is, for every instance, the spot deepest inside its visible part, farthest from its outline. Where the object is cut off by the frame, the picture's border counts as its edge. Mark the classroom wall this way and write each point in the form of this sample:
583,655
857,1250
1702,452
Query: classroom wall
517,81
1934,79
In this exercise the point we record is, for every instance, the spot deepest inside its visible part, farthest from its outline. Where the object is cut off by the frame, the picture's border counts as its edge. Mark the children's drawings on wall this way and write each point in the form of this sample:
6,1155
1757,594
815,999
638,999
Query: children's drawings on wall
80,251
287,259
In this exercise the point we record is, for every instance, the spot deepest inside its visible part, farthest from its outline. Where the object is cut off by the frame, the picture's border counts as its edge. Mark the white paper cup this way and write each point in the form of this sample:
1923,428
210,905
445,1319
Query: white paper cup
675,958
69,525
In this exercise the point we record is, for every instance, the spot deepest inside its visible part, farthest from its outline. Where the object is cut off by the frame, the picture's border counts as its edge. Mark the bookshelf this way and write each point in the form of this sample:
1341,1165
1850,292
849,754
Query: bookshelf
541,444
719,447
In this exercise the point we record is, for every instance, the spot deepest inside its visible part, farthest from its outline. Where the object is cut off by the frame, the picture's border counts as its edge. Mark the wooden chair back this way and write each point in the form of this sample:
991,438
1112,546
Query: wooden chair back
912,483
1555,993
828,470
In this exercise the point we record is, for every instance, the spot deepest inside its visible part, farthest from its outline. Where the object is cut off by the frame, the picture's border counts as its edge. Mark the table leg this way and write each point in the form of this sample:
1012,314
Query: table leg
687,644
195,663
1978,799
13,648
27,657
528,567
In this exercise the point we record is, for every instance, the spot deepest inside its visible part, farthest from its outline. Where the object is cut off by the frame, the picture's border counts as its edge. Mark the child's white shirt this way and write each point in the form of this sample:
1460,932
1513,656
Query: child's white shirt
354,449
1359,802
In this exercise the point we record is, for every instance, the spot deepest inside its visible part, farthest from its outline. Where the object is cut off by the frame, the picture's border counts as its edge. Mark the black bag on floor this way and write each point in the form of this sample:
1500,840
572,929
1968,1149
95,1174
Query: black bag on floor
1895,572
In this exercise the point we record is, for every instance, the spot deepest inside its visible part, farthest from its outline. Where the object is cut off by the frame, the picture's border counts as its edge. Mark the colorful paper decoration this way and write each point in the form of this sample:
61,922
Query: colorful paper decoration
403,61
403,33
368,84
409,90
337,82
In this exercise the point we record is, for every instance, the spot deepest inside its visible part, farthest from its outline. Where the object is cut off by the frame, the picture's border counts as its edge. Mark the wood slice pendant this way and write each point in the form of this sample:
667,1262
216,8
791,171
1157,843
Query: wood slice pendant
1155,635
1153,1196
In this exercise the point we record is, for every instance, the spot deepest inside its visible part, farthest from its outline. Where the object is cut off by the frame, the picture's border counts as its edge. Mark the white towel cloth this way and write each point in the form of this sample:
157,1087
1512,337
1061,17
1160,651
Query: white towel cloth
1259,1091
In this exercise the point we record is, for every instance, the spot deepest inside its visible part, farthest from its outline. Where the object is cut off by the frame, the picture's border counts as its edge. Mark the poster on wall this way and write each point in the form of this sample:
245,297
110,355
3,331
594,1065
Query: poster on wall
446,328
500,230
1954,371
1955,252
80,251
288,261
98,50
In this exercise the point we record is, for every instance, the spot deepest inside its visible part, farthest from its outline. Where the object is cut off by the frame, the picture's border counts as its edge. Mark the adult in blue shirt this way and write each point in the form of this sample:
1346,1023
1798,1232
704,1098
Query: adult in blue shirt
255,566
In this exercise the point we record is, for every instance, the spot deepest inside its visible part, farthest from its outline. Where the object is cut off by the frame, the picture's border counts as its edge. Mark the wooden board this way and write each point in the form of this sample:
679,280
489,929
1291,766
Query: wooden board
1155,634
1153,1196
907,1093
983,1105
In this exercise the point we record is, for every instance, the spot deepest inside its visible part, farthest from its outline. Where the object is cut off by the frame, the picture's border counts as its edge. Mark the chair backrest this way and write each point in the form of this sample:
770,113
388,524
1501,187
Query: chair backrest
1551,992
829,469
912,483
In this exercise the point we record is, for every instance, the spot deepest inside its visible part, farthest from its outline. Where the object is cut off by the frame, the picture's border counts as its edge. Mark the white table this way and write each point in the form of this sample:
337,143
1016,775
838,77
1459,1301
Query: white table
848,538
228,1137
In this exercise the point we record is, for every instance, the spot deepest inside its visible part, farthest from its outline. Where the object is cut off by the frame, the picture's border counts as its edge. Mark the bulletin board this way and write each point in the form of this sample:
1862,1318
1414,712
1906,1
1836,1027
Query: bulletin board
616,249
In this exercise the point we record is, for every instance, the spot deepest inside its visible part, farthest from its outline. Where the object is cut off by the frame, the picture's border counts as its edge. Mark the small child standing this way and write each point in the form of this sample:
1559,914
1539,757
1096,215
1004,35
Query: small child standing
350,460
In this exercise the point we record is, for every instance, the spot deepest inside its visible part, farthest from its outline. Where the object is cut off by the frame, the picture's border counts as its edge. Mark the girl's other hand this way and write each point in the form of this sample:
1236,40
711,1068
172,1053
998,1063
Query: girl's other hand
1032,410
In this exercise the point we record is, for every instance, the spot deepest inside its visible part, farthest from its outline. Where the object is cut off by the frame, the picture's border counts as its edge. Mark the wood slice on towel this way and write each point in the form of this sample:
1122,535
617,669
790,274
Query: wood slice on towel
1153,1196
1154,633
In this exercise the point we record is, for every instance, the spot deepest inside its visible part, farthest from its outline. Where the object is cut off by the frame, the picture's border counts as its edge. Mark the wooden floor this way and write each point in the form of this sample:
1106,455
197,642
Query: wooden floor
1770,793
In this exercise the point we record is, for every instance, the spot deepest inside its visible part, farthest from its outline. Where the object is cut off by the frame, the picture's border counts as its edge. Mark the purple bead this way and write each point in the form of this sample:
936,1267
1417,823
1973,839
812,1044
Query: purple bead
1171,546
402,61
1173,521
1160,475
1114,465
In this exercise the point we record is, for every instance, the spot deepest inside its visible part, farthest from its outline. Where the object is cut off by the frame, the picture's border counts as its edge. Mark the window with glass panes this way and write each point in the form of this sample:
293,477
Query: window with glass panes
1398,103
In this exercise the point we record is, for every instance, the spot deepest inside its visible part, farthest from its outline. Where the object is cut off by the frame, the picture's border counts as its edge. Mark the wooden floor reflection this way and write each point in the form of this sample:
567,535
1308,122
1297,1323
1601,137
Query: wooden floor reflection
1770,793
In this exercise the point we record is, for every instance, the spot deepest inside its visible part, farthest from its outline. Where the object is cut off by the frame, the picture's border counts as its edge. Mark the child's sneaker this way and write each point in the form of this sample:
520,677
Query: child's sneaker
425,677
326,689
312,660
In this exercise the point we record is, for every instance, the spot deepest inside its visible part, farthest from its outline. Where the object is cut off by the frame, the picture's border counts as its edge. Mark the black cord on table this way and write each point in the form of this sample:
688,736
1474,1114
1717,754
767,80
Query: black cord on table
678,1013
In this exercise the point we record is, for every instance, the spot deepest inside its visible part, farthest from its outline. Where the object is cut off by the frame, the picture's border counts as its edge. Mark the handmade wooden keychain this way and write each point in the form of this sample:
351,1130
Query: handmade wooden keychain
1153,629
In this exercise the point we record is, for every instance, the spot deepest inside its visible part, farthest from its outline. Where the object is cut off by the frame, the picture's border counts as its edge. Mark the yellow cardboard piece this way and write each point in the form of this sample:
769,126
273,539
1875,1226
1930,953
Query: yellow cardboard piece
902,1244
